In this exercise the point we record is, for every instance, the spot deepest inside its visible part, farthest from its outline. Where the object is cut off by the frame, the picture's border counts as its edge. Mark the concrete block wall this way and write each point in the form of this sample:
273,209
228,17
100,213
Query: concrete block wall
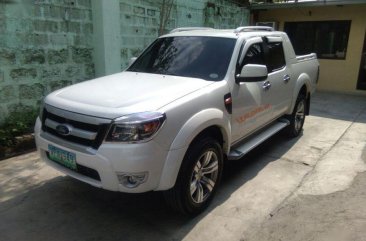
139,20
49,44
44,45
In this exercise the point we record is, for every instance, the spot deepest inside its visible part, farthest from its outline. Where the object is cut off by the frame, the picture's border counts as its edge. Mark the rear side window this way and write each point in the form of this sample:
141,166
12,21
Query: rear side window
276,57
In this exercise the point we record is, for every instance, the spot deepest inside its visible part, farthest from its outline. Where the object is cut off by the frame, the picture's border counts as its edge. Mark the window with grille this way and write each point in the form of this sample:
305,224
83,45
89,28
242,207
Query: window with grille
328,39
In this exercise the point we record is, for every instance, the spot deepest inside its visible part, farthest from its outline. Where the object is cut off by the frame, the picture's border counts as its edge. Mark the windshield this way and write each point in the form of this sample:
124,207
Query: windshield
198,57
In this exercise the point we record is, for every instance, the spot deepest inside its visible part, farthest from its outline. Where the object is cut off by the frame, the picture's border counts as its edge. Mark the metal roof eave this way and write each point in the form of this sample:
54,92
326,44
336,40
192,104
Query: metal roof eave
260,6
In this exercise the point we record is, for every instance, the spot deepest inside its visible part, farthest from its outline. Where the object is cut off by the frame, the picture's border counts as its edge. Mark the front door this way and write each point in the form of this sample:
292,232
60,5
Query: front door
250,109
361,84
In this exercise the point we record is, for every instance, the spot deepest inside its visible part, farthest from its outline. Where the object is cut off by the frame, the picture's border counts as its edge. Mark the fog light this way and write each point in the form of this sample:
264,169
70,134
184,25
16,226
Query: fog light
132,180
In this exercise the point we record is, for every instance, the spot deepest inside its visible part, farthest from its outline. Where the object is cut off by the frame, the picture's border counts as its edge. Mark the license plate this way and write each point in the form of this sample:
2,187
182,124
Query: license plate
65,158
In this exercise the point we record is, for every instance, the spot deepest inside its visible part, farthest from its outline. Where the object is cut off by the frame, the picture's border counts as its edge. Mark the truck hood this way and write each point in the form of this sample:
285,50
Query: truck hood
123,93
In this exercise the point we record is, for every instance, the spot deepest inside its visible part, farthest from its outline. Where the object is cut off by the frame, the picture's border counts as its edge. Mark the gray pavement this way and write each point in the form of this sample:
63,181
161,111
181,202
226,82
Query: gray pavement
308,188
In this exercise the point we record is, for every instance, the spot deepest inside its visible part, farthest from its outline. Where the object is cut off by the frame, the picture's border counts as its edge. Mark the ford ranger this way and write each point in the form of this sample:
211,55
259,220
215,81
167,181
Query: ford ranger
194,99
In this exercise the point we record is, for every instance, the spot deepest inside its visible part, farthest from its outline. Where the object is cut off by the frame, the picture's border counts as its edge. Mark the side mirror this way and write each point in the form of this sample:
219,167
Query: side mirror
132,60
252,73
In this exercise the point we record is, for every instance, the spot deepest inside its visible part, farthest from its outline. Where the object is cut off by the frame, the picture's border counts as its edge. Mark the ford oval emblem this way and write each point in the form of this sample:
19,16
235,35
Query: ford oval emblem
63,129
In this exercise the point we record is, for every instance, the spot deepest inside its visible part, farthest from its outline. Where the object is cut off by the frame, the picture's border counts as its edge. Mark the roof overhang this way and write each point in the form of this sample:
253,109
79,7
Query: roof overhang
293,4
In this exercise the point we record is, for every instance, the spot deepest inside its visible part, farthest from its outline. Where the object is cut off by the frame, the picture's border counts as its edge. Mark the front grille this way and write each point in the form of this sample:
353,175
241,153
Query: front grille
99,129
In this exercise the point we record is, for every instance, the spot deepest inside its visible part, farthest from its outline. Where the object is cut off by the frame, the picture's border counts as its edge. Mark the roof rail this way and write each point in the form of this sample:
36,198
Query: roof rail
253,28
188,29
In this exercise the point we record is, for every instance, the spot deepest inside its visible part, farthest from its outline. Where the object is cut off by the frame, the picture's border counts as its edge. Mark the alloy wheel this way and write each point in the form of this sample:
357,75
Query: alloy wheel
300,115
204,176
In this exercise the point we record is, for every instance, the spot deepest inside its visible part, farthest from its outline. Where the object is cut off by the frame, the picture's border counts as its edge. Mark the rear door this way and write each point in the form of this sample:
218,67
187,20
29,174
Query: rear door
280,76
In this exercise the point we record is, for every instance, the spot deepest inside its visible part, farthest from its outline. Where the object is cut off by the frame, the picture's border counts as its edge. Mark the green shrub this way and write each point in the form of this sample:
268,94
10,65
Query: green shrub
17,124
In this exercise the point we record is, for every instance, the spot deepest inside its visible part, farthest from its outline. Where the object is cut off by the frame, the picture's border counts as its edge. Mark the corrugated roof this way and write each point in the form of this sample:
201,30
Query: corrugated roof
266,4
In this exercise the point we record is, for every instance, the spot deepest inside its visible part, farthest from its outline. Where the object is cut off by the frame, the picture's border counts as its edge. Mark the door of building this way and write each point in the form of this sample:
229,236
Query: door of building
361,84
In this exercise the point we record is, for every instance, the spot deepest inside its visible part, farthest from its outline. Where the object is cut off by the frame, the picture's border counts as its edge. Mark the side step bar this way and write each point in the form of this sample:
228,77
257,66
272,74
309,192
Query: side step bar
253,141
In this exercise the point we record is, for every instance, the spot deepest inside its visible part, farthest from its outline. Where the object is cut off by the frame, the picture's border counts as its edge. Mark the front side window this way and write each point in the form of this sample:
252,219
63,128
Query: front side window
254,55
328,39
188,56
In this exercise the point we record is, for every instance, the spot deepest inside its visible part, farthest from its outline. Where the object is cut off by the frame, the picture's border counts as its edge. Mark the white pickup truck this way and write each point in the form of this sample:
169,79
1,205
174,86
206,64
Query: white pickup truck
194,99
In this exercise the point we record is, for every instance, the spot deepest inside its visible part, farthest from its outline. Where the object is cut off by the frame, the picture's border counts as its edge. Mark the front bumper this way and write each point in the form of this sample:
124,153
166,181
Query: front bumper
109,160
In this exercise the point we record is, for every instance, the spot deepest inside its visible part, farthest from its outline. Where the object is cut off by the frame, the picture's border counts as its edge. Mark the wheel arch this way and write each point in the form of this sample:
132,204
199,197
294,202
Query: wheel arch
303,86
211,122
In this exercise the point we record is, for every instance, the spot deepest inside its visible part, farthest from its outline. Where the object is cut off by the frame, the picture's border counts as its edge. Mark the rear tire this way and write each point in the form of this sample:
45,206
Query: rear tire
297,118
198,178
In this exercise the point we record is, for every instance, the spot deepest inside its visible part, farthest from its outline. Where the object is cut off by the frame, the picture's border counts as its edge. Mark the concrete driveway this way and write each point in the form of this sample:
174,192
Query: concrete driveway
309,188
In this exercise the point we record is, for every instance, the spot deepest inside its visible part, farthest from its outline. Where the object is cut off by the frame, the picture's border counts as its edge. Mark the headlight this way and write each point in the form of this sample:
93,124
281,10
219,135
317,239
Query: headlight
139,127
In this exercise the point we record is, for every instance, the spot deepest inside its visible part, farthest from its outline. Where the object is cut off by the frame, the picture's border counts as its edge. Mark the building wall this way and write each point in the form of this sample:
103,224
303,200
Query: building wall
44,45
49,44
140,20
335,75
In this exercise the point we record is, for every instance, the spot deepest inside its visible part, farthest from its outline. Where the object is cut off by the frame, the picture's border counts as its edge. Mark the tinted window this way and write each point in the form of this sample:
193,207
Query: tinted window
276,57
328,39
254,55
200,57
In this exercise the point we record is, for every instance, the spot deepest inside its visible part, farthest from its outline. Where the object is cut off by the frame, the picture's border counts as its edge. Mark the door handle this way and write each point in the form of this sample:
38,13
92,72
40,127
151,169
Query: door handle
266,85
286,78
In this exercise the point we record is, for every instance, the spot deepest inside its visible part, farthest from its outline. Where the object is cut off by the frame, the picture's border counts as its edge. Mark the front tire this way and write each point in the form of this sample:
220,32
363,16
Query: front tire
297,118
198,178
